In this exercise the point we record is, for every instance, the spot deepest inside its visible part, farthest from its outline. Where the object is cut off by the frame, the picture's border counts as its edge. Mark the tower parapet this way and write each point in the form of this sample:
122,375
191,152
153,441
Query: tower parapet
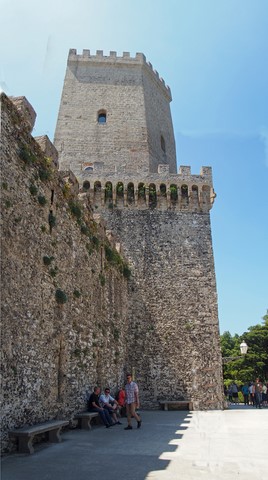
114,109
113,58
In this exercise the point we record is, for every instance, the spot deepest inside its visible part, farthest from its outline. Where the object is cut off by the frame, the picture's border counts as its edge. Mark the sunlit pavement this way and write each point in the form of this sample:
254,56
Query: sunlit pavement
213,445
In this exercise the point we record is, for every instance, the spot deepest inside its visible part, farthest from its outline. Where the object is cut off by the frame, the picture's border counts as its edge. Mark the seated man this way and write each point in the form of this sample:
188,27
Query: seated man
94,406
110,404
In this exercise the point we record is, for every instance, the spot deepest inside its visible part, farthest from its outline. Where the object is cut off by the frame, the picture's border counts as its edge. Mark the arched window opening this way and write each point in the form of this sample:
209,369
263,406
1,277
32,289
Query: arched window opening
130,193
173,193
88,169
86,185
141,191
97,187
102,116
163,190
108,191
195,196
163,144
120,190
184,191
152,196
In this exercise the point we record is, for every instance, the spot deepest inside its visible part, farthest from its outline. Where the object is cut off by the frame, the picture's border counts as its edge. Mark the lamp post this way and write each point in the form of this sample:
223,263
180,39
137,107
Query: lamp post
243,350
243,347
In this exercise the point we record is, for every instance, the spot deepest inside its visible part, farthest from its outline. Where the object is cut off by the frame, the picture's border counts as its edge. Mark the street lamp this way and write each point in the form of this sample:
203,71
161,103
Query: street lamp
243,347
243,350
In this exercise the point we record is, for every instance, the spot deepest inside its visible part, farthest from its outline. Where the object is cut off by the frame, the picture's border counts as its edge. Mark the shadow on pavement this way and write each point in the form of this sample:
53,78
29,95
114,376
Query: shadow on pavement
113,453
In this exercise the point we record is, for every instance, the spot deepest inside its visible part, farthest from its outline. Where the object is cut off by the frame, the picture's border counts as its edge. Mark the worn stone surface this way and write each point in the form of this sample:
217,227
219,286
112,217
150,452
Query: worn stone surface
127,169
136,103
52,354
115,185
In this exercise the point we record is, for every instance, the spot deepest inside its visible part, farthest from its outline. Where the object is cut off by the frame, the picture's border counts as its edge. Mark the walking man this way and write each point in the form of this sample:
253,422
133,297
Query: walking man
132,402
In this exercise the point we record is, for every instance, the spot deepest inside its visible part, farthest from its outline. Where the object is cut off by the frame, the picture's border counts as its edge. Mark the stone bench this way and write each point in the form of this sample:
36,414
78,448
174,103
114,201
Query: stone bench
26,434
188,404
84,419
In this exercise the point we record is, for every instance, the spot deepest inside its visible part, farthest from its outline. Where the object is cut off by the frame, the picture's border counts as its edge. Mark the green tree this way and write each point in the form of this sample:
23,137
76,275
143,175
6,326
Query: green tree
255,363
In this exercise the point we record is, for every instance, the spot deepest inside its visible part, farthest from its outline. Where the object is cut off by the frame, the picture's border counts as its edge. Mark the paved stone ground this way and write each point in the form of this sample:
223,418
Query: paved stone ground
214,445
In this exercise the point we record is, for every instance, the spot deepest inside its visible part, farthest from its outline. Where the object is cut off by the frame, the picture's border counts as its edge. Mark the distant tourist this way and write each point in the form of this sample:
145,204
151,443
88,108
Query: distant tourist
264,395
245,392
230,395
251,394
234,390
132,402
258,393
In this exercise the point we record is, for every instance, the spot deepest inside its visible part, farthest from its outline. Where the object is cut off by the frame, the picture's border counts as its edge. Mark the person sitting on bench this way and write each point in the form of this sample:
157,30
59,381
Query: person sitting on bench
94,406
110,404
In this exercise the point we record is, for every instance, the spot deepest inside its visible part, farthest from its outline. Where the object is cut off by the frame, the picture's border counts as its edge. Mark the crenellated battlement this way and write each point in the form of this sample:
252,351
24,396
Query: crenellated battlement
180,192
112,58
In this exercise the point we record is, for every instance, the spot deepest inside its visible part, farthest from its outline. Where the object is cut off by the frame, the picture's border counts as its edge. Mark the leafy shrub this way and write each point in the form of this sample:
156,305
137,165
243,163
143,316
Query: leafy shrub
26,155
66,189
47,260
76,294
102,279
53,272
42,200
44,173
95,241
33,189
75,209
112,255
85,229
61,296
126,271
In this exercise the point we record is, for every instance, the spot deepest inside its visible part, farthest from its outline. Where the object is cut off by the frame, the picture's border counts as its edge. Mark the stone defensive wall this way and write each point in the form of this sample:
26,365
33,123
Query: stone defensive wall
162,190
125,60
64,297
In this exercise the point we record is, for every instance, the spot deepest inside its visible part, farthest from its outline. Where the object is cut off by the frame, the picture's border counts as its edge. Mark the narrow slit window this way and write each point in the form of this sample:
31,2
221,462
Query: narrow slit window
163,144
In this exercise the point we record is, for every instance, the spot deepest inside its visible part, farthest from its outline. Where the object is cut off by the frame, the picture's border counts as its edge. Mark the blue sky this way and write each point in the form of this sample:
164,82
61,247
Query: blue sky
213,55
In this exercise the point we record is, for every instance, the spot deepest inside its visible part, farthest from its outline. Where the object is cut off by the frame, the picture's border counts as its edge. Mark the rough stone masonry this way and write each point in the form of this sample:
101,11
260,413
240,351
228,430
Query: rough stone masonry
72,317
64,303
115,132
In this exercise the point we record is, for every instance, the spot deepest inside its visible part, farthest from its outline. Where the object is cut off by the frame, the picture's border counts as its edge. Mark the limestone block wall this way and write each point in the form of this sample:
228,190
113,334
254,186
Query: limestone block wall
63,304
173,342
136,104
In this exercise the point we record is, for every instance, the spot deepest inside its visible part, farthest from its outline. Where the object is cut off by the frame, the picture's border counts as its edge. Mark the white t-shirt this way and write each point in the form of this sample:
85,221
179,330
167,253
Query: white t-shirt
105,399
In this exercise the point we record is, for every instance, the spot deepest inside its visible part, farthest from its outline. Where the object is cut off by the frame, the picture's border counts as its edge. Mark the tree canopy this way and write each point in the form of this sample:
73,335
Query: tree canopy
254,364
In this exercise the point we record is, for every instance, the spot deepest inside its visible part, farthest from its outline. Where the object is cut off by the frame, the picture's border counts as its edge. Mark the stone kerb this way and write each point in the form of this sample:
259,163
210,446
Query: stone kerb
125,60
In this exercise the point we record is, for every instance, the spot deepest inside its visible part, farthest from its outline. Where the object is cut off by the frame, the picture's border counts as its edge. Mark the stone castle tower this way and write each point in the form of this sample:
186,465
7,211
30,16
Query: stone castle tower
115,132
